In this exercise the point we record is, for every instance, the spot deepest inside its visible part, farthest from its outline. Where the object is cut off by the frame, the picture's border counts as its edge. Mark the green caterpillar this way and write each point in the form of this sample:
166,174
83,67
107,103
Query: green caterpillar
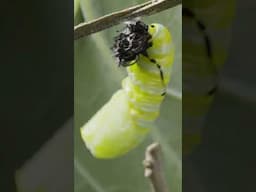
122,123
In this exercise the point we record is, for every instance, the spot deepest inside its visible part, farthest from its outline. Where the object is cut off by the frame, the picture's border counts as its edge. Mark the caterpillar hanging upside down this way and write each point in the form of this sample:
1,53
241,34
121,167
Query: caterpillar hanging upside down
121,124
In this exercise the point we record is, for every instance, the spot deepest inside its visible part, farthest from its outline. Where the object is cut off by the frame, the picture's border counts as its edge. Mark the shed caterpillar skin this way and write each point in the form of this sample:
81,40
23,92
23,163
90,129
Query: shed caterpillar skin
122,123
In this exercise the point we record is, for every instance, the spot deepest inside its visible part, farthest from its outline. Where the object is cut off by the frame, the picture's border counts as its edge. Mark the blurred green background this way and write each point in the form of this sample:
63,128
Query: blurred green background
97,77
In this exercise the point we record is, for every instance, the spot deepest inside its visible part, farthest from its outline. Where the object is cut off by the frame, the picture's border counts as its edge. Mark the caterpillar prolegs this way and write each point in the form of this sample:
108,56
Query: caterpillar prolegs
122,123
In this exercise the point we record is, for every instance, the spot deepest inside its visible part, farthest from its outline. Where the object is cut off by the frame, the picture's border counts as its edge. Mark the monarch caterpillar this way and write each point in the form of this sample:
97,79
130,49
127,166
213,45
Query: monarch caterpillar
147,51
205,49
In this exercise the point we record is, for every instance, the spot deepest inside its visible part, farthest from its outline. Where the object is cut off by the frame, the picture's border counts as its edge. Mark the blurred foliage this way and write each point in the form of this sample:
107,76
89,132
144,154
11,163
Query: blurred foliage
97,77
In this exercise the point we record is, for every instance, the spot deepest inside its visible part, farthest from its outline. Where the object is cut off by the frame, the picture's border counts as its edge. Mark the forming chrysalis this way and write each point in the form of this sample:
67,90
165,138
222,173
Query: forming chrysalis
147,51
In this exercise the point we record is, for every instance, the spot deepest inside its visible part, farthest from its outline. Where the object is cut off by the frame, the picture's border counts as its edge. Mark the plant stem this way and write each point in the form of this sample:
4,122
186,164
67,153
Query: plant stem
99,24
154,168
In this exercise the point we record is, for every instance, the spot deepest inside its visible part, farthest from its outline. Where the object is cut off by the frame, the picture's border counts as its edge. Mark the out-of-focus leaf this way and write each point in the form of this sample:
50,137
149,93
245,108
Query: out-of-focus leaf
97,77
76,7
77,12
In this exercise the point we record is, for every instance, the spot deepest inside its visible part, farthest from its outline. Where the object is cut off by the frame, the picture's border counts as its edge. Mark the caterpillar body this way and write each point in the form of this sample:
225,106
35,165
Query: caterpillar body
122,123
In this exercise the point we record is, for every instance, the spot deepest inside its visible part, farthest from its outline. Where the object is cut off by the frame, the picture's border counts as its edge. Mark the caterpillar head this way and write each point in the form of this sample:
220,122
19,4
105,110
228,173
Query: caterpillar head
133,40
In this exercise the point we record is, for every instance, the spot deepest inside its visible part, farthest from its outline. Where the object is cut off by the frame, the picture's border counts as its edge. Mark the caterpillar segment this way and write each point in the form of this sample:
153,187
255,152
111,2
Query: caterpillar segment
124,121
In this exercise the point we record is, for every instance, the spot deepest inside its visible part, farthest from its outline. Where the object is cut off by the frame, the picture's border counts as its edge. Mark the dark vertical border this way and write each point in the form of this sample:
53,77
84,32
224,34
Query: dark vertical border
224,159
37,80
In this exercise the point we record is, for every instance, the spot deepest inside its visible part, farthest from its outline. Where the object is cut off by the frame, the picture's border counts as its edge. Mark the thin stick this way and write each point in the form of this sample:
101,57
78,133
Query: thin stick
99,24
154,169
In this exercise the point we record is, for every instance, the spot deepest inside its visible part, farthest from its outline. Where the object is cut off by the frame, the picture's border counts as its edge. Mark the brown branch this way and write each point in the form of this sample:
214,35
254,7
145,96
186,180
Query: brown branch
154,169
99,24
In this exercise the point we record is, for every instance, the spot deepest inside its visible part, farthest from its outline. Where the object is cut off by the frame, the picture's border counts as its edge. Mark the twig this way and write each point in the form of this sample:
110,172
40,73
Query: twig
115,18
153,168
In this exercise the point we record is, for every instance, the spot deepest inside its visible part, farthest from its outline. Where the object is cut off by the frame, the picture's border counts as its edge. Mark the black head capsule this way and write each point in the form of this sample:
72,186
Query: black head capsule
133,40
